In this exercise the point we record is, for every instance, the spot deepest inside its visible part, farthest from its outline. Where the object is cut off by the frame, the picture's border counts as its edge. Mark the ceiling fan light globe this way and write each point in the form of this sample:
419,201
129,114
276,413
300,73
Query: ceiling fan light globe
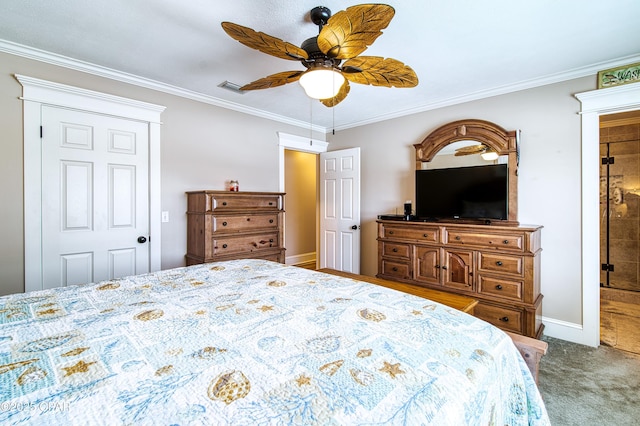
323,83
489,155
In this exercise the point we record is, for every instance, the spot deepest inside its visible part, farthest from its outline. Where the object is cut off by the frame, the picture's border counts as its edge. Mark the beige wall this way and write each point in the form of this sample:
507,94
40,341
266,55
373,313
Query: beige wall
549,176
300,217
202,147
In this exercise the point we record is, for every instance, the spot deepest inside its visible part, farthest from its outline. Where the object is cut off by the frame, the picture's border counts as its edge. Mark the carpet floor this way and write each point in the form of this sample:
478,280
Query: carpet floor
588,386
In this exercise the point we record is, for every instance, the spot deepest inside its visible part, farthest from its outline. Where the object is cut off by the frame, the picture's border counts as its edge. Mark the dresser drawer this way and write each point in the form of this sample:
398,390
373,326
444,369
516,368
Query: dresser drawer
244,243
426,234
500,288
501,263
243,223
396,249
505,318
238,201
395,269
489,240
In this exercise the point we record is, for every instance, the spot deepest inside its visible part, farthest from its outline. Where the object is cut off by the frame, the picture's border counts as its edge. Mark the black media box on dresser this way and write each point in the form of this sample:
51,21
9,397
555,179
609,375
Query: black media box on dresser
497,264
225,225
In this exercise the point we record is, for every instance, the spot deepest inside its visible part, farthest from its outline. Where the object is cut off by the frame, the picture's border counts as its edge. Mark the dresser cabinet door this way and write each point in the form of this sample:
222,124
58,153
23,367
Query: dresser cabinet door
458,269
428,265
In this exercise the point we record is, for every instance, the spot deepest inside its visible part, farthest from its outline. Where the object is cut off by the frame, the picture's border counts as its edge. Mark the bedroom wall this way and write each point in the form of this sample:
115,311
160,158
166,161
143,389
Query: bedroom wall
549,177
202,147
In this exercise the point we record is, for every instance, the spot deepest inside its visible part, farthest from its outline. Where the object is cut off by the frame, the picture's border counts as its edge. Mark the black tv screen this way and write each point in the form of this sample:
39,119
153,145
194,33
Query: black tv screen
479,192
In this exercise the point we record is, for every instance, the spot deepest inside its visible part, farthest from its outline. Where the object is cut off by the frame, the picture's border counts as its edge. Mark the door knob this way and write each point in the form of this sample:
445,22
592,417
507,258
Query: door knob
142,240
354,227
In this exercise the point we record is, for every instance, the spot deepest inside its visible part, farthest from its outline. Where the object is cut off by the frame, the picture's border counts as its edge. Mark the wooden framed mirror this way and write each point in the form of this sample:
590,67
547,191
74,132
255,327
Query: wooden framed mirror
484,132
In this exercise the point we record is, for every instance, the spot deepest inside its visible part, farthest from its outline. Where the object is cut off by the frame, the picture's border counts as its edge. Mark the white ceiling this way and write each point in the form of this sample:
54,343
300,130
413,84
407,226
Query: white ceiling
460,49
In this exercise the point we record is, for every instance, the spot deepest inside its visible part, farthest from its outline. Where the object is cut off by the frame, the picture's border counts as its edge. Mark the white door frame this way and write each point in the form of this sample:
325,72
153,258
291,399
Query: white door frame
594,103
35,93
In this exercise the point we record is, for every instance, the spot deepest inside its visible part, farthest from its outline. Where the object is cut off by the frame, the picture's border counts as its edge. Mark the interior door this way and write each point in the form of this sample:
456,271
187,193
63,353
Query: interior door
95,197
340,210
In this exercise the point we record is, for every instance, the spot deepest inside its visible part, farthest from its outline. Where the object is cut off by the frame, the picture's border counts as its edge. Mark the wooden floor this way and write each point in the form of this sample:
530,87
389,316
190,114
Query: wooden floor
620,319
307,265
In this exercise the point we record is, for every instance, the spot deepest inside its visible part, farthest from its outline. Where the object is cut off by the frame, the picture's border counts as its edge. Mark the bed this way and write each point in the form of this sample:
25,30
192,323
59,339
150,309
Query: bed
254,342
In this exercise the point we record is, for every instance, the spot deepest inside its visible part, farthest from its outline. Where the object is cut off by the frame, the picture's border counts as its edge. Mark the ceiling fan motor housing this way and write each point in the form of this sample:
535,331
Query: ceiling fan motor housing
316,56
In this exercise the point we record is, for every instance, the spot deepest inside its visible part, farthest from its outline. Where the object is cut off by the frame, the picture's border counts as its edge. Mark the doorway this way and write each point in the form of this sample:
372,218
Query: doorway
300,186
620,230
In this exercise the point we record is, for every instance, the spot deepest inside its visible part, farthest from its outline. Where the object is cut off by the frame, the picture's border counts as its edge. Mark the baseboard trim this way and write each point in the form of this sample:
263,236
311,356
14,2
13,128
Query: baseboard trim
300,258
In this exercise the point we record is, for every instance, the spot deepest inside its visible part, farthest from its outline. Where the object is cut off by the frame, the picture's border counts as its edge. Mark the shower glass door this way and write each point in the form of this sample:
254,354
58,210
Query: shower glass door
620,209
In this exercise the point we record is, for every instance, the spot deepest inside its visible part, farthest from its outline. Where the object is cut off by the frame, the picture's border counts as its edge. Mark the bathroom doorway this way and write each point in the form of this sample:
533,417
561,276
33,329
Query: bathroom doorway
620,230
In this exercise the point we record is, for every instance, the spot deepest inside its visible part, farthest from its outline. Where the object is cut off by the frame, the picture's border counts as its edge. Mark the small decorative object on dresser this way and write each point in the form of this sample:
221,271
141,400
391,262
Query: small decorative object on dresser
225,225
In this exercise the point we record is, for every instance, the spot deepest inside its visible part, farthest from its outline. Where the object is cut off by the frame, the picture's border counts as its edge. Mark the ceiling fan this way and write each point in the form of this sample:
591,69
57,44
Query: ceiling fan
343,36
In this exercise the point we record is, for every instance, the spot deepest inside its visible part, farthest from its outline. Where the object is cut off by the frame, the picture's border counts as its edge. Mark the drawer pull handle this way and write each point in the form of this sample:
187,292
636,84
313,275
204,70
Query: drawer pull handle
458,237
425,235
224,223
270,203
395,250
498,287
444,267
224,246
505,242
504,319
499,263
394,269
248,219
390,232
271,240
270,220
224,203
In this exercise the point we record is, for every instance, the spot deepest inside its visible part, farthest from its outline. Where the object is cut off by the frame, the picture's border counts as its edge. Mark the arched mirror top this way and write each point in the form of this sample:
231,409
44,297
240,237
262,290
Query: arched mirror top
495,137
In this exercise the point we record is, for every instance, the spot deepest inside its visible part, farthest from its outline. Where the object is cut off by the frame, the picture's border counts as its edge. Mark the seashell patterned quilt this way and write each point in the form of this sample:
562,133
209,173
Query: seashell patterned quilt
253,342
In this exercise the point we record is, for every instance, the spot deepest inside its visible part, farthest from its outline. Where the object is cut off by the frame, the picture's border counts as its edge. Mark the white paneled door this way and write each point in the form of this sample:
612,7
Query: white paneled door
340,210
95,197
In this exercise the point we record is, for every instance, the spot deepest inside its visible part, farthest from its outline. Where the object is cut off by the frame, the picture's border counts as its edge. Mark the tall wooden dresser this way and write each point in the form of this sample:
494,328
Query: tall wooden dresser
225,225
498,265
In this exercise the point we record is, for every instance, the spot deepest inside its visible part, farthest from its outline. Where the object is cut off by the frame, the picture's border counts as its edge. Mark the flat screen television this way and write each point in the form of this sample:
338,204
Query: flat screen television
479,192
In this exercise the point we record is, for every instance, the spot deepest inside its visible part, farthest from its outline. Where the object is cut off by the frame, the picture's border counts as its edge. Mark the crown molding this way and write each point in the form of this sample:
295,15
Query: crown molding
97,70
591,70
74,64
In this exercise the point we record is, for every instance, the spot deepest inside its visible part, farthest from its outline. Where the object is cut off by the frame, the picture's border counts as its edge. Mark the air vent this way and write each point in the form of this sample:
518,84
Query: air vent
231,86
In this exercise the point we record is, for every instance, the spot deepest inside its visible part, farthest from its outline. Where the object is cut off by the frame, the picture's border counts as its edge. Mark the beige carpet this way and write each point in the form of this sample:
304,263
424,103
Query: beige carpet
587,386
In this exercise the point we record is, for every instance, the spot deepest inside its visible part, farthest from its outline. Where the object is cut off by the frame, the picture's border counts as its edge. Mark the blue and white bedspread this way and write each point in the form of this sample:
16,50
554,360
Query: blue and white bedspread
253,342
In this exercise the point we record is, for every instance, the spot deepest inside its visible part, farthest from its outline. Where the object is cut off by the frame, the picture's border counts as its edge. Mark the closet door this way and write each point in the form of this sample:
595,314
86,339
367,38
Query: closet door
95,197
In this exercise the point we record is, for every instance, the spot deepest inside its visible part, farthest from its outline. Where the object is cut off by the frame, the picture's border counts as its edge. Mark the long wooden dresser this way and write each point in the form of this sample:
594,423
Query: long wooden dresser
497,264
225,225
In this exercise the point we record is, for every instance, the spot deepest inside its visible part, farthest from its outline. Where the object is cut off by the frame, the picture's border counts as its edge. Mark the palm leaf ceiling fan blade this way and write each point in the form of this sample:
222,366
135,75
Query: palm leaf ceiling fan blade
378,71
273,80
264,43
342,94
348,33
